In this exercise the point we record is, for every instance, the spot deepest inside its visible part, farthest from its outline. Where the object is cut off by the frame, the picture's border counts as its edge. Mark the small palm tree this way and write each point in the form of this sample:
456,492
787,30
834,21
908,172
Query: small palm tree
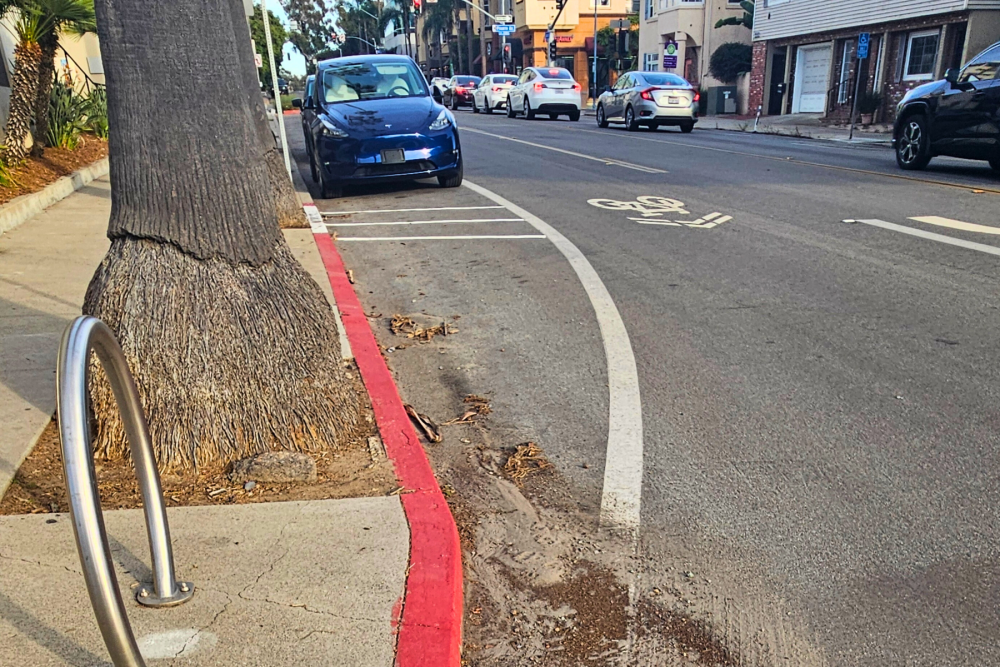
73,17
746,20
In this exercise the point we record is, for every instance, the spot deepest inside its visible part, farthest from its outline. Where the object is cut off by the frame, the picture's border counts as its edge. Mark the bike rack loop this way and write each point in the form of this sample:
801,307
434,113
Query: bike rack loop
86,334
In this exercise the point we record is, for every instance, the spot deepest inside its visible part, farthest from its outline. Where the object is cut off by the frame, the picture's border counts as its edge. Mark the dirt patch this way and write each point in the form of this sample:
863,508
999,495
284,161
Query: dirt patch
689,638
39,485
36,173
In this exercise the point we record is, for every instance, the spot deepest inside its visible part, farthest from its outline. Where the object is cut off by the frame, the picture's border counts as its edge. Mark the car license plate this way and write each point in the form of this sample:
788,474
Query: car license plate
393,156
673,100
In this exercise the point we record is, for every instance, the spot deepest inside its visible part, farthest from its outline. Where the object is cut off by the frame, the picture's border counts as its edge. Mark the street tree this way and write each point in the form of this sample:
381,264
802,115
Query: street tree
70,17
746,20
314,27
730,60
233,346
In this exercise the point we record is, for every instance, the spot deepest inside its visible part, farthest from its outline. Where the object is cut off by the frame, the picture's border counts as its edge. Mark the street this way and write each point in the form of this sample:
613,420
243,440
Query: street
817,402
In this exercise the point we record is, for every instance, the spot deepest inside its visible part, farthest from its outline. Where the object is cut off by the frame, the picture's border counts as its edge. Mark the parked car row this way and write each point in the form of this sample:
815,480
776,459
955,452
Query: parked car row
373,119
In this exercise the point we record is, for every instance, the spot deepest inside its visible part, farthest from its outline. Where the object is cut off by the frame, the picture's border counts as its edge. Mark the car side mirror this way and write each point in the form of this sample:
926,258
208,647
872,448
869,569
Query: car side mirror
607,89
297,103
951,76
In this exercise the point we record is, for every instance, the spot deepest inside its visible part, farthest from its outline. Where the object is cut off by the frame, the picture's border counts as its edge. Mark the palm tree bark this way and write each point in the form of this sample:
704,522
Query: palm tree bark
27,57
233,346
48,44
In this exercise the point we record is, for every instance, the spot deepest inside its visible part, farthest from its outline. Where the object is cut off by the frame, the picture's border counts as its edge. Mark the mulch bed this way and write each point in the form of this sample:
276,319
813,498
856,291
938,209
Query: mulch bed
36,173
39,485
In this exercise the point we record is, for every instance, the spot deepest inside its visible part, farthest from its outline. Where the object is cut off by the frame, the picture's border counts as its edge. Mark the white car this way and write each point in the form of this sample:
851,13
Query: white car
492,92
439,84
546,90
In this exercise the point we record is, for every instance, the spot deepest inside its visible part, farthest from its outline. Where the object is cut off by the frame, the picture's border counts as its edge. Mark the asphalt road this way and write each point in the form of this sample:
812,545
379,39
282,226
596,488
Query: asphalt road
818,396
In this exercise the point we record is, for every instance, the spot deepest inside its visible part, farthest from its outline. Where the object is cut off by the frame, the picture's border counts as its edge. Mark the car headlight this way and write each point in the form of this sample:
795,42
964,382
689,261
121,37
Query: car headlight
441,122
332,130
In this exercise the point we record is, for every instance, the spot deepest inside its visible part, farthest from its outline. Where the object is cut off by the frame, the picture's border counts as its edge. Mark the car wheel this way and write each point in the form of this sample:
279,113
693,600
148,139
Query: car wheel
574,115
687,128
313,170
452,180
510,109
475,107
528,113
488,105
630,123
653,127
995,163
326,189
602,120
454,102
913,145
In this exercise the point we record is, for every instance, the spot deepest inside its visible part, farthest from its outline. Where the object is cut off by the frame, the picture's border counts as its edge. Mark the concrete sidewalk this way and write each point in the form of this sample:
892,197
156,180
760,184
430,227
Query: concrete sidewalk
317,583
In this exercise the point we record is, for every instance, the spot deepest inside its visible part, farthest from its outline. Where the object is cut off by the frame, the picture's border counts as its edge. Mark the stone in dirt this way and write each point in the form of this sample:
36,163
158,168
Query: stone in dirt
275,468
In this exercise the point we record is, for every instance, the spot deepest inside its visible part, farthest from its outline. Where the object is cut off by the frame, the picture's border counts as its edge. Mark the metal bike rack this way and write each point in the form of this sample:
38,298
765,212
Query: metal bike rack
84,335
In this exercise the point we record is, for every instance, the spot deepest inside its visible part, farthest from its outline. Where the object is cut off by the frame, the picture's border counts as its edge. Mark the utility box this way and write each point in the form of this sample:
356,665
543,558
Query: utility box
721,100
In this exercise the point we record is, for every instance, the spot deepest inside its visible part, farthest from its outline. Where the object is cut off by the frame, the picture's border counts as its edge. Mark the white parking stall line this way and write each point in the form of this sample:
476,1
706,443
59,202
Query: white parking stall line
419,222
330,214
617,163
441,238
957,224
940,238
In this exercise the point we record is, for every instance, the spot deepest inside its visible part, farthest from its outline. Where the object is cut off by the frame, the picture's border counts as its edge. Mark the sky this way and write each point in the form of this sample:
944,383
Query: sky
294,62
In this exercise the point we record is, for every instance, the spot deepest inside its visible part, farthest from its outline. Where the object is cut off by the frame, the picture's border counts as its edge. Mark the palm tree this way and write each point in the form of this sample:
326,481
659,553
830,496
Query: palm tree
74,17
439,19
746,20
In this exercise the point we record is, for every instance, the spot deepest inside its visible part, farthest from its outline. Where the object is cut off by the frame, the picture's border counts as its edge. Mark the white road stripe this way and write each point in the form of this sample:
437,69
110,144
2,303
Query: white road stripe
941,238
438,238
418,222
617,163
409,210
957,224
623,464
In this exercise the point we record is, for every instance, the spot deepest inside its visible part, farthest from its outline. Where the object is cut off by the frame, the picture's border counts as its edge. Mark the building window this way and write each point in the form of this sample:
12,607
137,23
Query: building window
635,6
845,72
649,9
921,55
650,62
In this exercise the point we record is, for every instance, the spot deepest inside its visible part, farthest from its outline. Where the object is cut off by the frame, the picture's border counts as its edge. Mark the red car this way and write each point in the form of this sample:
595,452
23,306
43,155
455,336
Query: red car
459,91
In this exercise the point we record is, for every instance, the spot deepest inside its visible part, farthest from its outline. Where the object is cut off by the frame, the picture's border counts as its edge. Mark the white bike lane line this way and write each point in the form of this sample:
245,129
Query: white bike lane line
623,466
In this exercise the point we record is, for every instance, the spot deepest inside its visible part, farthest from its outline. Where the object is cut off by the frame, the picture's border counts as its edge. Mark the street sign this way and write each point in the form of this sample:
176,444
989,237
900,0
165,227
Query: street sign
621,24
489,49
504,18
864,41
504,29
670,55
258,60
548,36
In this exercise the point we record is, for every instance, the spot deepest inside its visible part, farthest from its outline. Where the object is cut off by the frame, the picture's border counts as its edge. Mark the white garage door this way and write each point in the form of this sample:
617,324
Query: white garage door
812,71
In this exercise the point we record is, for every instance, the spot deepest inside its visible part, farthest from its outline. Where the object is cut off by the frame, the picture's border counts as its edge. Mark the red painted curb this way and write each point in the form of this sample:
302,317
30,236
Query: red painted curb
430,631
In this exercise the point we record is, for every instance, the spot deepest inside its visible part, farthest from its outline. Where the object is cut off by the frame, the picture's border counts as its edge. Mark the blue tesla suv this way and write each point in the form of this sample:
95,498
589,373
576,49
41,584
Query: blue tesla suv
375,121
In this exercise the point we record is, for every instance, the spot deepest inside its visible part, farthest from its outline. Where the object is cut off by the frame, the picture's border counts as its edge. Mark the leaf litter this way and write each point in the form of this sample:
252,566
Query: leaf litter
403,325
526,460
477,406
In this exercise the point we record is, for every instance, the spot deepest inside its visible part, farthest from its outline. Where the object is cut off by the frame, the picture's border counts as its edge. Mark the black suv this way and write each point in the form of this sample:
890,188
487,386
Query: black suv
959,116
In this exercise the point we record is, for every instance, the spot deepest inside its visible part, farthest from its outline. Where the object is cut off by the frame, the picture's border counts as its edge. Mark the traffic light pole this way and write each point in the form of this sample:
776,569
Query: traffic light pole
552,27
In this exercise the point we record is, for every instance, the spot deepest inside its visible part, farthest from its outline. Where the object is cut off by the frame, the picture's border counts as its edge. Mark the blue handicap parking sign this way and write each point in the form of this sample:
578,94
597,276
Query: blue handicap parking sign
864,40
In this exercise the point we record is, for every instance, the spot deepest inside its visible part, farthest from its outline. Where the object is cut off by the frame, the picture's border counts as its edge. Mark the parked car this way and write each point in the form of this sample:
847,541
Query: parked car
491,93
438,85
957,116
307,105
377,122
459,91
651,99
282,86
545,90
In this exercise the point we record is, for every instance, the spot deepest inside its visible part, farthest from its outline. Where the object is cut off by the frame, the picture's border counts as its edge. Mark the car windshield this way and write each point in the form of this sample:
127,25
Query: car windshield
466,80
663,79
371,81
504,79
555,73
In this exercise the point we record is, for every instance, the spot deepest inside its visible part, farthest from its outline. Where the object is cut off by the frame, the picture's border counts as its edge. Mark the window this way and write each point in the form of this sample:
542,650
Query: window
556,73
845,72
372,81
983,68
648,13
921,55
665,79
650,62
635,7
486,8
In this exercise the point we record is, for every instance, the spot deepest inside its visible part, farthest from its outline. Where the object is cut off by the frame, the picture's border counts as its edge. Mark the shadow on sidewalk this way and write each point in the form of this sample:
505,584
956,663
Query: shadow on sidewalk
46,637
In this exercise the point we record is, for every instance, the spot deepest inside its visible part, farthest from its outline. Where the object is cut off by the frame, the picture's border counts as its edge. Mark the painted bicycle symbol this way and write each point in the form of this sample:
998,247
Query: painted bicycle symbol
652,210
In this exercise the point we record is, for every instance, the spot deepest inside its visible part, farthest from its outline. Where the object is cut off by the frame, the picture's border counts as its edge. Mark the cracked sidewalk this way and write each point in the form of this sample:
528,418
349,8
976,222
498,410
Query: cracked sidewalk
294,583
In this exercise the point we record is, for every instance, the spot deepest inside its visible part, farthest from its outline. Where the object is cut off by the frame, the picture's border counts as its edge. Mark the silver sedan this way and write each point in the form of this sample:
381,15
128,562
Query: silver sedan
651,99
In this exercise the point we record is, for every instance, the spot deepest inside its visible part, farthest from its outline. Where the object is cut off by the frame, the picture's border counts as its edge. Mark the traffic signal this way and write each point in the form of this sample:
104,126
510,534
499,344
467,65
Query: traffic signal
552,49
560,3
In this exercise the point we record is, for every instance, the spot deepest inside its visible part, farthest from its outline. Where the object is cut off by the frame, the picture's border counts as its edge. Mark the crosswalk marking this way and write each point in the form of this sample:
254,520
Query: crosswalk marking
440,238
331,214
419,222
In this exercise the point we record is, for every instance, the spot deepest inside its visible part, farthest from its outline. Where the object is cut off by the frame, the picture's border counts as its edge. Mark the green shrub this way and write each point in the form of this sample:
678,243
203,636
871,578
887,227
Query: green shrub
96,109
67,117
6,173
869,102
731,60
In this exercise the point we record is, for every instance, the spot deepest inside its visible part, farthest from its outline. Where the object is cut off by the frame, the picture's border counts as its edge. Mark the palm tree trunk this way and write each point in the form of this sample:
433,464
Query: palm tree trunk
46,74
233,346
469,36
27,56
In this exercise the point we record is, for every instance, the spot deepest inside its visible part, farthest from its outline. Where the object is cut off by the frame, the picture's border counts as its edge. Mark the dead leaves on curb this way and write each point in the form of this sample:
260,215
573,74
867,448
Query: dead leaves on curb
526,459
402,325
429,427
477,406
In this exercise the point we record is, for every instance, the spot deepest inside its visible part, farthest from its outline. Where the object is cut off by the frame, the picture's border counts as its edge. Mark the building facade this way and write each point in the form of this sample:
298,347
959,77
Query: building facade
691,24
805,52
